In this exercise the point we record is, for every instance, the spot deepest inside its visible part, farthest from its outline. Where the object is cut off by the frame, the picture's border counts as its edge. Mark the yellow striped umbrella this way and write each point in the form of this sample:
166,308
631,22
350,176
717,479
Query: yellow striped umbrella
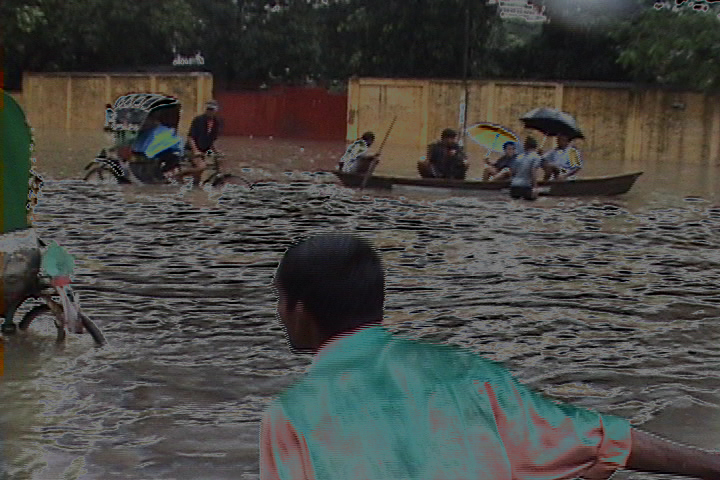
491,136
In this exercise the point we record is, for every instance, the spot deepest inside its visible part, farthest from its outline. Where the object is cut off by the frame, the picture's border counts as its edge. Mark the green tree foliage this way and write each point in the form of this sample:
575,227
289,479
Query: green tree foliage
679,48
255,41
415,38
576,44
51,35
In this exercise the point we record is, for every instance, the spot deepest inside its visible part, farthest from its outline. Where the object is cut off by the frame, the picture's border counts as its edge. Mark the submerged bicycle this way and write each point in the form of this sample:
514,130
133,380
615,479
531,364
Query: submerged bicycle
31,271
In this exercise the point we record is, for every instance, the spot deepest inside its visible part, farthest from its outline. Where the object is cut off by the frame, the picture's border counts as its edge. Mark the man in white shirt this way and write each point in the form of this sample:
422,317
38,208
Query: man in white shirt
563,162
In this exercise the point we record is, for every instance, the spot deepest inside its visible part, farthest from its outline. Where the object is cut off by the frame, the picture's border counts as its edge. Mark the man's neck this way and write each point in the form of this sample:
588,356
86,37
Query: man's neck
333,338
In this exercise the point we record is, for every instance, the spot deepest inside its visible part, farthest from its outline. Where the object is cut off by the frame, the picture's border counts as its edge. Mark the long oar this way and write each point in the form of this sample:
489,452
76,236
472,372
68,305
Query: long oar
374,163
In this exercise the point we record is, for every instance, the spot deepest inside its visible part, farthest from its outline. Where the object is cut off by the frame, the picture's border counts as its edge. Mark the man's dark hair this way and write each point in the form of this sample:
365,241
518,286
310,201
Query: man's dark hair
508,144
530,143
339,279
448,133
368,137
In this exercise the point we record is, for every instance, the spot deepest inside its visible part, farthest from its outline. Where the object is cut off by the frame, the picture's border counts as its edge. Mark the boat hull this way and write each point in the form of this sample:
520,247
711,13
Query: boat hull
592,186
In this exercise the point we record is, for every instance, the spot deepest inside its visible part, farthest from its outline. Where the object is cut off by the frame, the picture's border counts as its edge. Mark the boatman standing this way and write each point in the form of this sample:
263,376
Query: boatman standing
356,159
376,406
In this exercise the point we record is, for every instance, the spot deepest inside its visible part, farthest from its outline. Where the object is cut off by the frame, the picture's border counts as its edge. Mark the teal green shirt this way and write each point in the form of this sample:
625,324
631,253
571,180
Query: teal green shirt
376,406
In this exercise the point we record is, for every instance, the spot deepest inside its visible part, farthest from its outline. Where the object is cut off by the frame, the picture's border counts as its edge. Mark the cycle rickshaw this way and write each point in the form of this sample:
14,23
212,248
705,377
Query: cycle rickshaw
145,147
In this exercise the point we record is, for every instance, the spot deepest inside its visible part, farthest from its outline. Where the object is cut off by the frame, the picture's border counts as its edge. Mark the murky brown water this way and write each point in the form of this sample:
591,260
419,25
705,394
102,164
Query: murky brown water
608,303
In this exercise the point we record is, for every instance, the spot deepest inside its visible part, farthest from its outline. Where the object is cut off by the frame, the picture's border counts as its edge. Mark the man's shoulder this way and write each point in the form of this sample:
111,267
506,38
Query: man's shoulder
452,360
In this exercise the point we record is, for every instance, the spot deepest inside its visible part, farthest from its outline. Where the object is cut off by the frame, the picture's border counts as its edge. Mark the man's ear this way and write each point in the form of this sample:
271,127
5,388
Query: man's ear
303,328
295,314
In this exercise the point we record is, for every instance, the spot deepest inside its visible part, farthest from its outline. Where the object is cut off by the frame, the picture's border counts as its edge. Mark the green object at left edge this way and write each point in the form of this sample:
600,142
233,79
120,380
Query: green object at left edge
14,166
56,262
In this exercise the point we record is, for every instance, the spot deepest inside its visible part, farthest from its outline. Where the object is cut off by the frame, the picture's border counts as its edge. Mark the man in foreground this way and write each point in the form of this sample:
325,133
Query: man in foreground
445,159
376,406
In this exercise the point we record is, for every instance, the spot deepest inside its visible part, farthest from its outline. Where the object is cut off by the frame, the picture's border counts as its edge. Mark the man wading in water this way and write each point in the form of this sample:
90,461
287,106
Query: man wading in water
376,406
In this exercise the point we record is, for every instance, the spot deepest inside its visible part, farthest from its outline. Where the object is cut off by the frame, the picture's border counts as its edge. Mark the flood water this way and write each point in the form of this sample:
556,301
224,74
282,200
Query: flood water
611,304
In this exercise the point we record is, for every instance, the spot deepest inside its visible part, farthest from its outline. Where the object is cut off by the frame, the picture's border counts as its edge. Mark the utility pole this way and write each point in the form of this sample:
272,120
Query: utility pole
466,54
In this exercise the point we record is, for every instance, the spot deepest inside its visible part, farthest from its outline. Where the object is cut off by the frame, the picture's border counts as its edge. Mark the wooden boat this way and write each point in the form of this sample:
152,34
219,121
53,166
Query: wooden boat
590,186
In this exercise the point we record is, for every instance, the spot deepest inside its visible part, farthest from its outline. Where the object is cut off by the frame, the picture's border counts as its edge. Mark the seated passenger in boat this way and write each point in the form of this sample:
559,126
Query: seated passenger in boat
500,169
356,158
525,169
563,162
445,158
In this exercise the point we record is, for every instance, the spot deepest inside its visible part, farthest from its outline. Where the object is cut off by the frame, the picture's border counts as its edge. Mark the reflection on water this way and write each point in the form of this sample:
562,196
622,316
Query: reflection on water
608,303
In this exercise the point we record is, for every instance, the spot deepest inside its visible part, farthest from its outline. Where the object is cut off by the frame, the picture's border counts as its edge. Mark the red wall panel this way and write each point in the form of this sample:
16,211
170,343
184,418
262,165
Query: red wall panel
285,112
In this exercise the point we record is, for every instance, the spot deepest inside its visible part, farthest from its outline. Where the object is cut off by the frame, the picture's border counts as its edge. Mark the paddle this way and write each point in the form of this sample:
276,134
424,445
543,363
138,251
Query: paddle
374,163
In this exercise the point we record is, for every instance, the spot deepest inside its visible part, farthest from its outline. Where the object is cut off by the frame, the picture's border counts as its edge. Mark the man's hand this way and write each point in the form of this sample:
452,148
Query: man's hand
653,454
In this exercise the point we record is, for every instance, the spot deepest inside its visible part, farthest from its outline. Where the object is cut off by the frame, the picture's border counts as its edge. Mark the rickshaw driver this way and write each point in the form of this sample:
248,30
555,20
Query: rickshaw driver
204,130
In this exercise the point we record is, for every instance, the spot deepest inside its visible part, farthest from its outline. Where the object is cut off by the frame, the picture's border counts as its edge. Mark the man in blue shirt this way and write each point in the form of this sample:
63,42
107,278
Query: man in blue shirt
376,406
500,170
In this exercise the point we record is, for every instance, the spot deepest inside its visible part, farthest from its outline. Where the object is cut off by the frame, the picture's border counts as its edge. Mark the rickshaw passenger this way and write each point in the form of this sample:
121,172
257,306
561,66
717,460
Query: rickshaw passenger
159,142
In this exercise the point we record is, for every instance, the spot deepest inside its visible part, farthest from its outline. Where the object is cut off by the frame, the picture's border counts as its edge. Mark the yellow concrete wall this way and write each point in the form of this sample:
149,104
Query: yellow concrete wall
77,101
620,122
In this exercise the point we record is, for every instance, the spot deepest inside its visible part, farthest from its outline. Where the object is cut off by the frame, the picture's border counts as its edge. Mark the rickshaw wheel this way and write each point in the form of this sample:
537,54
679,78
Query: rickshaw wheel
47,321
101,175
44,311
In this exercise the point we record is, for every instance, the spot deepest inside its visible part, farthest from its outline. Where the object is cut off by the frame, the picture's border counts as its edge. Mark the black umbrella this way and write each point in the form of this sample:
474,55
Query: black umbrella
552,122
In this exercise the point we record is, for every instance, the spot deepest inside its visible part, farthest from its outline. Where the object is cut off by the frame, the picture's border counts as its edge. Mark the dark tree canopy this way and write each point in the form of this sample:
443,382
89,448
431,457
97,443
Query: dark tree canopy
298,41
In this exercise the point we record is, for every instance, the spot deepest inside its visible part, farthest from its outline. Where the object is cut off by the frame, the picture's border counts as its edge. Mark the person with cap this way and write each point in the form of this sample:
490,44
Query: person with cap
376,406
500,169
204,131
356,158
445,159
